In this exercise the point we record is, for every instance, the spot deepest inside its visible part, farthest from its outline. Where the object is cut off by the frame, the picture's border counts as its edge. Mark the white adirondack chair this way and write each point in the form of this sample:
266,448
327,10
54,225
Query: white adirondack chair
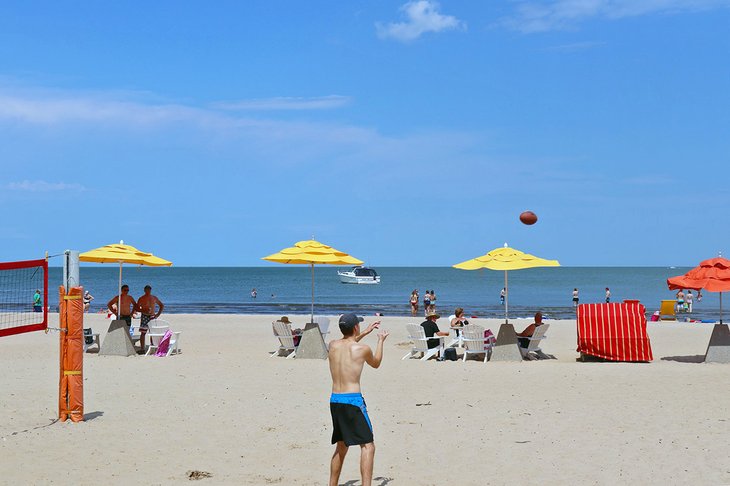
324,324
283,332
475,342
156,333
534,345
137,334
420,343
455,338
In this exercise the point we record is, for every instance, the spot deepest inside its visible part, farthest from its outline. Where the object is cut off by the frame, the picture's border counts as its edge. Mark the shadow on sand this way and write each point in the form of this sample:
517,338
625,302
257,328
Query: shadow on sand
92,415
379,481
695,358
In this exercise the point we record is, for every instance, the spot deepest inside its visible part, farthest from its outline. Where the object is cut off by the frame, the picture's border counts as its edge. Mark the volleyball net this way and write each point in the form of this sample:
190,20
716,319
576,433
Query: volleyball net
23,296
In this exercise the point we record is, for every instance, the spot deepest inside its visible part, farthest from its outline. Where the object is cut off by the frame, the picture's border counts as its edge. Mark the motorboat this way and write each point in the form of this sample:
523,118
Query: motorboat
359,275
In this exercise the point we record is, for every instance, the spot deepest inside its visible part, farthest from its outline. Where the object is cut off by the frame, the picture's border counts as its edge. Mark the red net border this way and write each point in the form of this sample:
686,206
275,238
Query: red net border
41,326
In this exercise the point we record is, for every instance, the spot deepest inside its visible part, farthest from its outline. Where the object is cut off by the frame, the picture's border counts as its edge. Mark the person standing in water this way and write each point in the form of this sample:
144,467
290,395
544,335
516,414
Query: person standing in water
414,302
575,297
426,301
680,301
688,300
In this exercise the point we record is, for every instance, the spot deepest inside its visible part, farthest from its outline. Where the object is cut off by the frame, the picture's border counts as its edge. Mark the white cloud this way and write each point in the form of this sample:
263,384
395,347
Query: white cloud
287,103
422,16
45,109
541,16
49,107
284,142
43,186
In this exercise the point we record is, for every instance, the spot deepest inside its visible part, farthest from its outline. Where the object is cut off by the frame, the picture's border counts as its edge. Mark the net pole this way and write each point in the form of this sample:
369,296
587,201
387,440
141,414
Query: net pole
62,378
71,269
45,292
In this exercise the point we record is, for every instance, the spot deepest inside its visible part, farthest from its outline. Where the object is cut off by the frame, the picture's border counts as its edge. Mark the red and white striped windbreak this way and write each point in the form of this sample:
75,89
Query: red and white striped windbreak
616,332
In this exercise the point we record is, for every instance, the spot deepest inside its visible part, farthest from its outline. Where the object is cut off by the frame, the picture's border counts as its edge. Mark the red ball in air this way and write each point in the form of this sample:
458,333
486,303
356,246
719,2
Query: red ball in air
528,217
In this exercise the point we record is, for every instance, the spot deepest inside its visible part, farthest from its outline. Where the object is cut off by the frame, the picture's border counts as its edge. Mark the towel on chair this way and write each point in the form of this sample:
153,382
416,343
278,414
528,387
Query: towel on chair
164,344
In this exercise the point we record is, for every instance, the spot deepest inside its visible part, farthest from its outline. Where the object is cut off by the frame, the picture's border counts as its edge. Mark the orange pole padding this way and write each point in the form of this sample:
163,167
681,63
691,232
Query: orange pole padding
71,395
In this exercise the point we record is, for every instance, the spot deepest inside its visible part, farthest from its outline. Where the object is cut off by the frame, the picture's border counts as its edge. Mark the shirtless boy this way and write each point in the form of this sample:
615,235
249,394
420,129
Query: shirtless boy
349,415
127,308
146,305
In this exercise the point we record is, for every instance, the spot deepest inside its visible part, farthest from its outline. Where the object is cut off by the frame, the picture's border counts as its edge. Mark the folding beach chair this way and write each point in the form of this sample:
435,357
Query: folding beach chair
668,310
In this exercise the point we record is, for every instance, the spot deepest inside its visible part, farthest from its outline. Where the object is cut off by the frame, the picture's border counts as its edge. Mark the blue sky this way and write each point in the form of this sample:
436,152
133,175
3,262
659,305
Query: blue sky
405,133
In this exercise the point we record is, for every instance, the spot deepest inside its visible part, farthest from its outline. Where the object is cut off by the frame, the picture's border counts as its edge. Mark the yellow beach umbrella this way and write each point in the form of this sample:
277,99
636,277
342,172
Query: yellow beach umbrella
311,252
506,259
121,254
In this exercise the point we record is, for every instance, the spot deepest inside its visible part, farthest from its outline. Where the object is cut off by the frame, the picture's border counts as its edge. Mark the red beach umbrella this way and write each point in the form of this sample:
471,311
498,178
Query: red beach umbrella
712,275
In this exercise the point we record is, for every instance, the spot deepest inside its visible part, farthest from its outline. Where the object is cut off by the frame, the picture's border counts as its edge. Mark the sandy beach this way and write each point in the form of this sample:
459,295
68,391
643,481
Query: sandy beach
223,406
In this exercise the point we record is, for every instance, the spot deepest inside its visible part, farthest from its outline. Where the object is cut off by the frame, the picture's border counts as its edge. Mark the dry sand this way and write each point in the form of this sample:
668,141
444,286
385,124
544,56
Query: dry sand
225,407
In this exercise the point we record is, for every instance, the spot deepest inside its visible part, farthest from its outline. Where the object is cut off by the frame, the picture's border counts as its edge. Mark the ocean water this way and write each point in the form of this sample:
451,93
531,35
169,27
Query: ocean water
286,289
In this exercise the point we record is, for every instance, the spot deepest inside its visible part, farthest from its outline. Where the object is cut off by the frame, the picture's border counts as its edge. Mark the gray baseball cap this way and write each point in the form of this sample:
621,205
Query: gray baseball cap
350,320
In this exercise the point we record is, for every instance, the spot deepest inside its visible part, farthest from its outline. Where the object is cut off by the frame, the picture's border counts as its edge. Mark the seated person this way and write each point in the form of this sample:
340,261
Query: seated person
432,329
458,321
297,333
529,331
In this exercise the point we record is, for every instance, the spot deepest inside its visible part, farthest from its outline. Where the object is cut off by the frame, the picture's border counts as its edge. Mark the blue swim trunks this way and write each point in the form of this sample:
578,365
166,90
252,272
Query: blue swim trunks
350,419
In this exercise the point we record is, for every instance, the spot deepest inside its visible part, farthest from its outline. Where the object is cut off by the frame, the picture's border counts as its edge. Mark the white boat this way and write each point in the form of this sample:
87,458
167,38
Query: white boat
359,275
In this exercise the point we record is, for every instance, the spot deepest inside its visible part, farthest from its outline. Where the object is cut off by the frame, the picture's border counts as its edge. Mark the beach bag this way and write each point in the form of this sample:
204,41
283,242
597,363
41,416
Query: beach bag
164,344
489,337
450,354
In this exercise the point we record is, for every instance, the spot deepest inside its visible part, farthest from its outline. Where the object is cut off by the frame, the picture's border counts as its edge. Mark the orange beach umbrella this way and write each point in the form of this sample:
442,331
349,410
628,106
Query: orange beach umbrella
712,275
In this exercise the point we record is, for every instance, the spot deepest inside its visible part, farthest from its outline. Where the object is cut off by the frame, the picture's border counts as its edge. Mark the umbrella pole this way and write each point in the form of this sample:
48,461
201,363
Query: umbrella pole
720,307
312,319
506,298
119,294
